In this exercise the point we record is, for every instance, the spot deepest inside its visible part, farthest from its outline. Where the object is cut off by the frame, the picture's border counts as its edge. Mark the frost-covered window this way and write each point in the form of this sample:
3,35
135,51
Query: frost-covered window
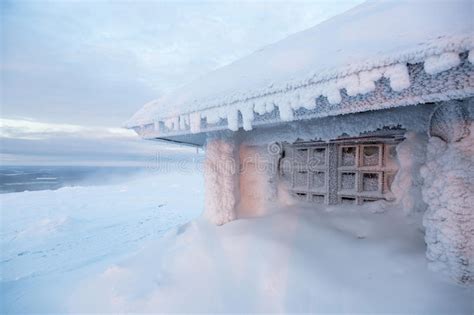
320,199
318,156
348,155
362,170
307,164
301,179
371,173
370,182
348,181
319,180
371,155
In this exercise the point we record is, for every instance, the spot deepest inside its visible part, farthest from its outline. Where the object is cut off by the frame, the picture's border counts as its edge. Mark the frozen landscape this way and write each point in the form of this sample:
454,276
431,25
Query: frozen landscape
299,157
141,246
52,239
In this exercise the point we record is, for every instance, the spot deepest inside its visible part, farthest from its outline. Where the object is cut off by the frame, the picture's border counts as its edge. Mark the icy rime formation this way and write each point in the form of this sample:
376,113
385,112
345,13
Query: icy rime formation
407,185
449,192
221,179
450,75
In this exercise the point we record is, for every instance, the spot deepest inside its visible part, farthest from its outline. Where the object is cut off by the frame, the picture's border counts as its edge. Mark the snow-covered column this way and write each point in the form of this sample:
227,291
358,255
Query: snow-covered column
448,190
258,178
221,179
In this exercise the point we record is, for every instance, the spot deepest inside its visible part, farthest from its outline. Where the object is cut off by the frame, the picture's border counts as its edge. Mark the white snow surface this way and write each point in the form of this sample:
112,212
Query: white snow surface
342,51
51,239
341,259
105,249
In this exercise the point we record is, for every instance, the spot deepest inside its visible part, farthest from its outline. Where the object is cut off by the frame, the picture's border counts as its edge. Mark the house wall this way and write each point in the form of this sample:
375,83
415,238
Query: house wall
435,178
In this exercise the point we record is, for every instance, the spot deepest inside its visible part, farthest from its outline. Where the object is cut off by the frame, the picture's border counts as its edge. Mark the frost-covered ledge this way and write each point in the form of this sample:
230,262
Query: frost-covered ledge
448,190
436,78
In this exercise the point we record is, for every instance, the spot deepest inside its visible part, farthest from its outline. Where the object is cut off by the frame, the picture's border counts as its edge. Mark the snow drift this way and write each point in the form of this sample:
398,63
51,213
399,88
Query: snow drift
299,259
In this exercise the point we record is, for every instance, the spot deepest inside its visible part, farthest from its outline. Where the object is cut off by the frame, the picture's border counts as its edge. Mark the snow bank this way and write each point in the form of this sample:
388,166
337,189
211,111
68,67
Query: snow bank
342,260
449,192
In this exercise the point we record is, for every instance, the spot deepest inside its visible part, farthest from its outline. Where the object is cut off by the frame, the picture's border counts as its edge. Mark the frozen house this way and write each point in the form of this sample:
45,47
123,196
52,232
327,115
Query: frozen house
374,104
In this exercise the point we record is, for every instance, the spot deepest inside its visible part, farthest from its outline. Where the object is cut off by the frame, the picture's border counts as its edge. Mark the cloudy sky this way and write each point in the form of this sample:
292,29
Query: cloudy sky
73,71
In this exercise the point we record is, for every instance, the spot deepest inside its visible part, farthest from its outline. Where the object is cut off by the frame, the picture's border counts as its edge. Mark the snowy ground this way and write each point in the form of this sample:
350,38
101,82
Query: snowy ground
297,260
51,239
106,249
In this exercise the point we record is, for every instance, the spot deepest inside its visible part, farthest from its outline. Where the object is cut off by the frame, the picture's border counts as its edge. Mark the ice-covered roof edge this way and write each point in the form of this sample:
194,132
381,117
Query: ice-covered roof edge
294,97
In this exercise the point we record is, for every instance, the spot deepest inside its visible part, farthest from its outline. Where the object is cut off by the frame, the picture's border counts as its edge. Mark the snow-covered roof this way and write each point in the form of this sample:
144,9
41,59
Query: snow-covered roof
351,51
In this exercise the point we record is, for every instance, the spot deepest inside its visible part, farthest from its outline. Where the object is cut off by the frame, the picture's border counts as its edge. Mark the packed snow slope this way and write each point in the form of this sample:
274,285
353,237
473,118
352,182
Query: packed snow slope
340,259
50,240
374,34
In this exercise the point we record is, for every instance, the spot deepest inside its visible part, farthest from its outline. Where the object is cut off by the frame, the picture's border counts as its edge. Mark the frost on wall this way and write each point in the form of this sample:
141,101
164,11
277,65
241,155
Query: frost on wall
449,192
411,154
221,179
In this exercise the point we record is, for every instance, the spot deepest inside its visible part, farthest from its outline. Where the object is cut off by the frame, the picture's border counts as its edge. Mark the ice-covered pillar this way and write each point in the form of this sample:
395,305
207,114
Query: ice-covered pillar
221,179
448,189
258,178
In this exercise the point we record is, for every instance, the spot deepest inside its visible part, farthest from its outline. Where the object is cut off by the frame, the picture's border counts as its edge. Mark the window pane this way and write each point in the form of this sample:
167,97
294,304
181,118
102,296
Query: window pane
348,156
370,182
348,181
301,179
371,156
318,180
318,157
318,199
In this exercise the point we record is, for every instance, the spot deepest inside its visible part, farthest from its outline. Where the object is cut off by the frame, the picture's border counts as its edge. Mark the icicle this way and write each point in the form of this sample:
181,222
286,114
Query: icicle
332,93
269,106
176,123
294,100
260,106
286,113
367,80
247,116
156,125
398,76
195,122
350,83
182,122
232,119
307,99
212,116
440,63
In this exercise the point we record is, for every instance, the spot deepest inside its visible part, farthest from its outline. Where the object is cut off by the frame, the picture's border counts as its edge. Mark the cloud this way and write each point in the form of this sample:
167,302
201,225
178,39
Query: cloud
31,142
79,69
97,62
33,130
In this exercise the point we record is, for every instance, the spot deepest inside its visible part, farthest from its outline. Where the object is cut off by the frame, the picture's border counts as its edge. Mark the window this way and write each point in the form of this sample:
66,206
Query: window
348,156
370,182
319,180
348,171
371,155
301,179
348,181
319,199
